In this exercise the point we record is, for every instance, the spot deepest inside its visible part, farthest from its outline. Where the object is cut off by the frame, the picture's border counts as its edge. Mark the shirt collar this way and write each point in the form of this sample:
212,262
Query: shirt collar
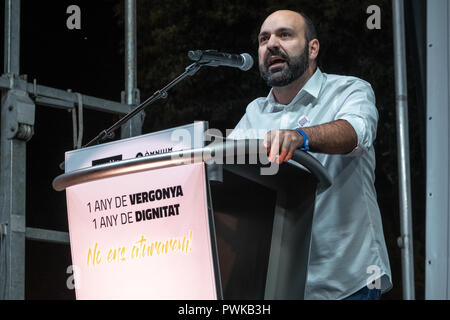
314,84
312,87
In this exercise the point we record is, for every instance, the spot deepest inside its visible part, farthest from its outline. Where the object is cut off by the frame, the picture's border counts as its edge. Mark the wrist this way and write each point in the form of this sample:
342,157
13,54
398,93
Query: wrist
305,144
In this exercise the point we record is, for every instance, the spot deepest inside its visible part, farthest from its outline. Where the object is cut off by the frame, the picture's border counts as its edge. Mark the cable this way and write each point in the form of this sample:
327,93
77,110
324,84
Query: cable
78,129
74,126
3,266
80,120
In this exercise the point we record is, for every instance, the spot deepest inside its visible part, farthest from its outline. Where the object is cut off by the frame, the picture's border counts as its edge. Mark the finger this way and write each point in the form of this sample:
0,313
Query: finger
267,140
284,147
289,155
282,156
275,146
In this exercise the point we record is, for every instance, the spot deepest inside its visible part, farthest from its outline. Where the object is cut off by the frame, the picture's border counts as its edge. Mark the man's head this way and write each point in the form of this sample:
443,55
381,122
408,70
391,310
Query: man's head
288,47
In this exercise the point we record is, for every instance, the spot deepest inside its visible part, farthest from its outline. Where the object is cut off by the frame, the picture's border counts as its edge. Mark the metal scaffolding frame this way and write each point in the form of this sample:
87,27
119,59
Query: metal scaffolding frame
19,100
437,265
405,241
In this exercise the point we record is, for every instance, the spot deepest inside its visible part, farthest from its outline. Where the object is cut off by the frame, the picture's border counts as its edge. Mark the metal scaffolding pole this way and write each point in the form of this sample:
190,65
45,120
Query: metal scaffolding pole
134,126
405,240
130,50
17,120
12,37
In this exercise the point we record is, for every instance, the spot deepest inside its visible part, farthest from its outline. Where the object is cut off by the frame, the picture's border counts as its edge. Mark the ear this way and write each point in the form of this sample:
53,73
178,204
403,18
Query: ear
314,47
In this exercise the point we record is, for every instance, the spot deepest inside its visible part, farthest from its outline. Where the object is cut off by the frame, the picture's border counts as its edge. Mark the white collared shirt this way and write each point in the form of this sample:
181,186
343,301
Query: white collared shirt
347,245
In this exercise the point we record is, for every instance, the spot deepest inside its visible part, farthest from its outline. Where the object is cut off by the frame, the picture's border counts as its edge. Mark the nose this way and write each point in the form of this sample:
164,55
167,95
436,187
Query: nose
273,42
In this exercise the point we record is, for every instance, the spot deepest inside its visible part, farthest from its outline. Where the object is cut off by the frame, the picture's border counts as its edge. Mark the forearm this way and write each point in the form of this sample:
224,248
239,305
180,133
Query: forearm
337,137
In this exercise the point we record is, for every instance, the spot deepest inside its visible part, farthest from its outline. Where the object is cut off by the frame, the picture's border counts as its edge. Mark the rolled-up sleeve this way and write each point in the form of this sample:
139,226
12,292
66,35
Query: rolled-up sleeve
360,111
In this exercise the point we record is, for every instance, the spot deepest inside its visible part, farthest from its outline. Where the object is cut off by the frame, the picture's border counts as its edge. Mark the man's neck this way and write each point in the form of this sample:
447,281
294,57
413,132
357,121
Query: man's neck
284,95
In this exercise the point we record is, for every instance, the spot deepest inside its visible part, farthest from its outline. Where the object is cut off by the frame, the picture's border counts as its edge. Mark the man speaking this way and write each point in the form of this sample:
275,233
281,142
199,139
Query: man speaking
335,118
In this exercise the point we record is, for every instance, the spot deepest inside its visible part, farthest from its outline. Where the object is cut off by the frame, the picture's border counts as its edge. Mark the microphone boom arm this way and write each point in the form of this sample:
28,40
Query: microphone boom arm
159,94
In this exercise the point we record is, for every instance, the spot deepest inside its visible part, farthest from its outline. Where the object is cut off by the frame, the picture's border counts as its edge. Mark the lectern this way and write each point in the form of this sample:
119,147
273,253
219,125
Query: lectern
205,223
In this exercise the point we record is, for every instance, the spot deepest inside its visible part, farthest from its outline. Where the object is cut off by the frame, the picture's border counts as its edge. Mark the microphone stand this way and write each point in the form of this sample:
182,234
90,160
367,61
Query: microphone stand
160,94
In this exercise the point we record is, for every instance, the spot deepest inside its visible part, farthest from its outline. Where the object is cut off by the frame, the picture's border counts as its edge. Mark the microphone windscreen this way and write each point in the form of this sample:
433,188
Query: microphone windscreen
248,62
195,55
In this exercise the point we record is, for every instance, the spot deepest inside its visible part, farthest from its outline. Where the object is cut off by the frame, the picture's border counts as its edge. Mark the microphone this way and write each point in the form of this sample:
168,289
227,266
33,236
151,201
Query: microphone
214,58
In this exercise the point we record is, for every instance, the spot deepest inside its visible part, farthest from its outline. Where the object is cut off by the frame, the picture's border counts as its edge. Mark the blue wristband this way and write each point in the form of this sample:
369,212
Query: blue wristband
305,145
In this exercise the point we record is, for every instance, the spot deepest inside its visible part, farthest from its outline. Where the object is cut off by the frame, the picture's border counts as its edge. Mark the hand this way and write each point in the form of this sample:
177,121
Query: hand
282,143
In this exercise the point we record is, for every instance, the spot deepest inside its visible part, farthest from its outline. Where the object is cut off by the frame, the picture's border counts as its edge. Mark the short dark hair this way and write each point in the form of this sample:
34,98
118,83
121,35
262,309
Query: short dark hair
310,32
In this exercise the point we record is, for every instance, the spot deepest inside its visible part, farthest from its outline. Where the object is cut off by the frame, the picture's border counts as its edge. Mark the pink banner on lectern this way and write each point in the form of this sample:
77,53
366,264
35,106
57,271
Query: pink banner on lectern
142,236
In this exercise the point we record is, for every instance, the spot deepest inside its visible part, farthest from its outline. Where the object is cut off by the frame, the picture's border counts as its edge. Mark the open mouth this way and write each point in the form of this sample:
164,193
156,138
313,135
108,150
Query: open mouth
275,62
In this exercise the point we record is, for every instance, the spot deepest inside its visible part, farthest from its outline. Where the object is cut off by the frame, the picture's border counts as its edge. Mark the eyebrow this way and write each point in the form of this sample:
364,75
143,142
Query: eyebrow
279,30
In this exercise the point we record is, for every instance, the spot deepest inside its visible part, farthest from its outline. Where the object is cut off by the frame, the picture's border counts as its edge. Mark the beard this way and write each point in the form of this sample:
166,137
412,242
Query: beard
280,77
